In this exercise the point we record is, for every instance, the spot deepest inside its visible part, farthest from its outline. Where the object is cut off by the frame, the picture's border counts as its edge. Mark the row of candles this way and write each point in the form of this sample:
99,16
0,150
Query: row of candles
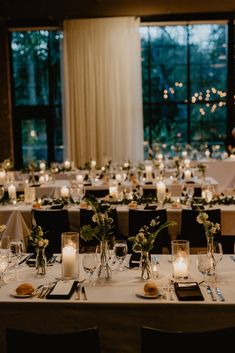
70,249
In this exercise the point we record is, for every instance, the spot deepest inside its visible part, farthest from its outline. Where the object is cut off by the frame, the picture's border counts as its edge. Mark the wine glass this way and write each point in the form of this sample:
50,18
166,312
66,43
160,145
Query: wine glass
16,249
120,251
190,193
4,262
203,264
81,191
89,263
2,191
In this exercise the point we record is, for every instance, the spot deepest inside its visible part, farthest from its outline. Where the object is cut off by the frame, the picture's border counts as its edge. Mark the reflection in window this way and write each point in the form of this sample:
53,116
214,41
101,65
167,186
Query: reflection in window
36,76
184,70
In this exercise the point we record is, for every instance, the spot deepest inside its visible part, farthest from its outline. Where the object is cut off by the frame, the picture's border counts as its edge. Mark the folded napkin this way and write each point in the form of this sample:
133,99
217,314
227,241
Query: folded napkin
62,290
134,260
187,291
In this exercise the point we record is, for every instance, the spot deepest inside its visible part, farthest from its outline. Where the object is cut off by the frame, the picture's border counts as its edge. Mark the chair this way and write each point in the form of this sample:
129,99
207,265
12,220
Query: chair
86,218
193,231
83,341
139,218
153,338
53,223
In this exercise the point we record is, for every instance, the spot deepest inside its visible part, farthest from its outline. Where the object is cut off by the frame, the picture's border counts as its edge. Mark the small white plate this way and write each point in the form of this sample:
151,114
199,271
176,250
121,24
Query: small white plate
15,295
142,294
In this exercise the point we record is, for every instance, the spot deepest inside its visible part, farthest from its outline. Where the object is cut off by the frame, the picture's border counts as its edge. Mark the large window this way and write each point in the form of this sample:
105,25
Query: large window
36,79
184,70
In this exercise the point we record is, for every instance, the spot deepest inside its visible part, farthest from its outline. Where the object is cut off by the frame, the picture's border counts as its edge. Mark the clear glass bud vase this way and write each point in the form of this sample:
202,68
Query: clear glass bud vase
104,270
145,265
41,261
210,251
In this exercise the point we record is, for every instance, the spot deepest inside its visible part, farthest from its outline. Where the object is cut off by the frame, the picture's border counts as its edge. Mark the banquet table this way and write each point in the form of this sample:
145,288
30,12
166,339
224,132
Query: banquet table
18,219
114,307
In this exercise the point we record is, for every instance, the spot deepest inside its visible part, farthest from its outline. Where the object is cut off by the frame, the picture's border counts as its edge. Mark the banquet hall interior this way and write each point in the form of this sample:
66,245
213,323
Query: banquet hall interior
117,174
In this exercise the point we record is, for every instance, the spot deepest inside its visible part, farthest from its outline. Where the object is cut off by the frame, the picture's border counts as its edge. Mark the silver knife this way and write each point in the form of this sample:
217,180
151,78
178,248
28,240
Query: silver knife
84,293
209,291
220,295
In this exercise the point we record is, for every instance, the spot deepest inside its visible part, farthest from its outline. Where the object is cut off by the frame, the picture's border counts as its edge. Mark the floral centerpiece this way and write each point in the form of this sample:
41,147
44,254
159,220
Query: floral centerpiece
211,229
39,243
103,231
144,241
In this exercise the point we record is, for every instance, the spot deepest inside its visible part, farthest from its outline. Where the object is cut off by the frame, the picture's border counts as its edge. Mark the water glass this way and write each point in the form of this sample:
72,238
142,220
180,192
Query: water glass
120,251
4,263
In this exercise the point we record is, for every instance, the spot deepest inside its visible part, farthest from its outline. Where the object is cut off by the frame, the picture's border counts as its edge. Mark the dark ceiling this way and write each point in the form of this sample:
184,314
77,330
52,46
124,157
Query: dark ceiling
19,9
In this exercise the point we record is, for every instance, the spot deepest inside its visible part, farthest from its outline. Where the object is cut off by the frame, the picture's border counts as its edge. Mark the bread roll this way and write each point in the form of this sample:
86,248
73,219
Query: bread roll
150,287
25,289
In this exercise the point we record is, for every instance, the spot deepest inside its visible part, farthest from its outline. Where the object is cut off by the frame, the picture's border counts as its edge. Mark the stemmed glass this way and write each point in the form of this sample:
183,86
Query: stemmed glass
4,263
2,191
190,193
89,263
16,249
203,264
120,251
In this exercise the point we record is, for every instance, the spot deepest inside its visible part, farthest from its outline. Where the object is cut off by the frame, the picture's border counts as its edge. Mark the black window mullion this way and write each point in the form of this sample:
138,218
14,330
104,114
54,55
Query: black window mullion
231,76
188,88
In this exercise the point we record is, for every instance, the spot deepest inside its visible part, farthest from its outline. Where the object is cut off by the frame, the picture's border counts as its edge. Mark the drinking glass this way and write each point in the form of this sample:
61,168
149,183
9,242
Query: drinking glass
190,193
16,249
120,251
89,263
4,263
2,191
203,264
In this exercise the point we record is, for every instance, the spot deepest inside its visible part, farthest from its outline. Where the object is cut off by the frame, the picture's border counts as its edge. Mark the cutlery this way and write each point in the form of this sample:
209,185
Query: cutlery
209,291
220,295
84,293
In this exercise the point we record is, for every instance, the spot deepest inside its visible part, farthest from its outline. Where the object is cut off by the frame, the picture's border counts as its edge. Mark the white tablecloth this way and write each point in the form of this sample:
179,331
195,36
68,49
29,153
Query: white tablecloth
115,309
18,219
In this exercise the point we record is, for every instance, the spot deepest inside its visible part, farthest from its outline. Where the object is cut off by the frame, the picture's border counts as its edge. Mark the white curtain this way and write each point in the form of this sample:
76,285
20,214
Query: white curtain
103,92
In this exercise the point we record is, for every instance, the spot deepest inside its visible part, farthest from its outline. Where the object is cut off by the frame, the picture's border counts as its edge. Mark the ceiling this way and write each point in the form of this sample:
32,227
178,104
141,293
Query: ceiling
13,9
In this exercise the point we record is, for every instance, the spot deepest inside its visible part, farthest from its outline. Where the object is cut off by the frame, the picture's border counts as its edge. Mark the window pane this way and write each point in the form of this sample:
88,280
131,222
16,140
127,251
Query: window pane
208,60
168,124
184,70
30,67
208,123
34,140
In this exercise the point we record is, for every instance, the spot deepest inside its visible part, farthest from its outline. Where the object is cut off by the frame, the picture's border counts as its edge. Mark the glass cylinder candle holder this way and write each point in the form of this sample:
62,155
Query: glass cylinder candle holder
180,259
69,253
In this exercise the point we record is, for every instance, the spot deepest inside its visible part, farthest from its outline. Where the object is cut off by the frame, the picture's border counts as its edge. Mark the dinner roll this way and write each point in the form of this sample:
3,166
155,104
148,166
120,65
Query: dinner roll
150,287
25,289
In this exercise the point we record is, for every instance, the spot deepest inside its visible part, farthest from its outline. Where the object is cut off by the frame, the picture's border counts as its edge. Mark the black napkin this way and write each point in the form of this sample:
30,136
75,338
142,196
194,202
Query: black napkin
62,290
187,291
134,260
57,207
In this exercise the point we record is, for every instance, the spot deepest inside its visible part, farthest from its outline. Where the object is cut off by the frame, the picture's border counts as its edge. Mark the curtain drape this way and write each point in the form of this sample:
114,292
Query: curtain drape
103,91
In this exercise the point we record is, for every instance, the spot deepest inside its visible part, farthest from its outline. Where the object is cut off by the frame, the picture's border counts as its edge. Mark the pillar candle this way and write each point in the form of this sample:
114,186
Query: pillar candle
42,166
180,268
80,179
187,175
67,164
69,261
64,191
12,191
